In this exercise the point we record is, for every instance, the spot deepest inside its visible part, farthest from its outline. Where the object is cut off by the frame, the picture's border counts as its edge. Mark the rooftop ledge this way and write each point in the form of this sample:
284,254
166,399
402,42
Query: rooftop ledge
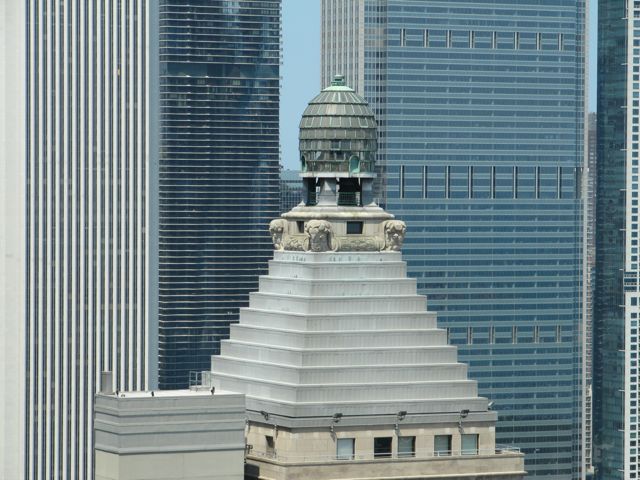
499,451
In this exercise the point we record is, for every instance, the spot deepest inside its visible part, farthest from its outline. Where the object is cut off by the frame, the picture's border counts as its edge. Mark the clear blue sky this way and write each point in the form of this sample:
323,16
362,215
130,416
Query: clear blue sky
301,68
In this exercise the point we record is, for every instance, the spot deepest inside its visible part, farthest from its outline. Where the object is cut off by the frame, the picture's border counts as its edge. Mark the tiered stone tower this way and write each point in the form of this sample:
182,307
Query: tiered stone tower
345,371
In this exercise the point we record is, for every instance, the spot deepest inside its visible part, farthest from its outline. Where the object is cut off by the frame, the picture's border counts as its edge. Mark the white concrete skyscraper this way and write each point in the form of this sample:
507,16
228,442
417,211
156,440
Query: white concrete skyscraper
75,248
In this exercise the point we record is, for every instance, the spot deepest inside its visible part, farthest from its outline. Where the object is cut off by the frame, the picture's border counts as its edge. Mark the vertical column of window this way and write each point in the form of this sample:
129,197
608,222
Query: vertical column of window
449,39
538,41
516,40
481,182
435,182
458,182
401,181
547,182
403,37
425,38
503,182
424,181
492,335
494,40
525,182
472,39
567,182
561,42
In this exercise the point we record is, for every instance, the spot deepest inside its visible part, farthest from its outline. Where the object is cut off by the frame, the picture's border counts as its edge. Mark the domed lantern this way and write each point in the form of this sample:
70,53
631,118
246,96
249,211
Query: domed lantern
338,144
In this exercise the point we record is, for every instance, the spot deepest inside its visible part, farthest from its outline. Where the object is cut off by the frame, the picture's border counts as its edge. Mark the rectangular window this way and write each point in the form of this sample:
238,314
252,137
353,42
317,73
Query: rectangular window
527,41
470,444
437,38
472,39
354,228
406,446
458,182
567,182
561,41
538,41
345,448
504,41
382,447
503,182
300,225
442,445
448,38
271,445
503,334
549,41
425,38
516,40
403,37
435,182
402,181
480,182
547,182
525,182
483,40
459,39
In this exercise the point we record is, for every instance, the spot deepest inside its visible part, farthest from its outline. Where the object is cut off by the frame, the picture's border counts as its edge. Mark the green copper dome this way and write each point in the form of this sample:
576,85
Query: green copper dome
338,133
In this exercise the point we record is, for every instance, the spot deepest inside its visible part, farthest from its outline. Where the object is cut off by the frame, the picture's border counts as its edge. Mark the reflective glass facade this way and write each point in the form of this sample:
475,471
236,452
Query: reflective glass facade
481,108
616,311
219,171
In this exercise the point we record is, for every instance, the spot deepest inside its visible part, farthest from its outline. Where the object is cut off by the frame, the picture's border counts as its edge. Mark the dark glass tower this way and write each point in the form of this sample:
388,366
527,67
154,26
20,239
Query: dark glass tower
481,112
219,172
615,322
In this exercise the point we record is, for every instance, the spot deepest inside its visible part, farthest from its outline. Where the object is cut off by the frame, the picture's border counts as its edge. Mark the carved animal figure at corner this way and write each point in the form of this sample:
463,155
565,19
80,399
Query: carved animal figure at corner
320,235
394,232
277,228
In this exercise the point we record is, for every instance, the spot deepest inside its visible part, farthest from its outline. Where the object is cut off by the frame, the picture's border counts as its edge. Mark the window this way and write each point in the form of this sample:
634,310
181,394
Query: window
354,228
300,225
503,182
382,447
435,182
406,446
481,182
403,37
526,182
345,448
458,182
271,445
470,444
442,445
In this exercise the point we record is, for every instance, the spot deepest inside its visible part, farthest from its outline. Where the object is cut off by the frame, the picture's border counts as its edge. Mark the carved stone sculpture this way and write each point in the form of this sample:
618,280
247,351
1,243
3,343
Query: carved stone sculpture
394,231
320,234
277,228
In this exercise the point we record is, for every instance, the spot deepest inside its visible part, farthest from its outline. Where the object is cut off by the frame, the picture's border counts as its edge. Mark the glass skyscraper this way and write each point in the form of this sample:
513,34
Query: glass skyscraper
481,113
616,309
218,170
